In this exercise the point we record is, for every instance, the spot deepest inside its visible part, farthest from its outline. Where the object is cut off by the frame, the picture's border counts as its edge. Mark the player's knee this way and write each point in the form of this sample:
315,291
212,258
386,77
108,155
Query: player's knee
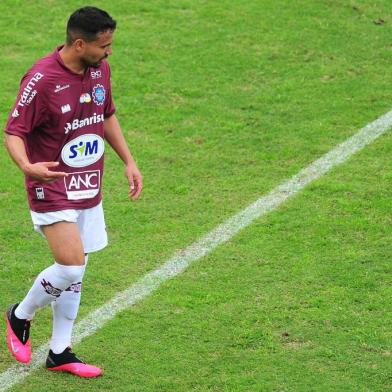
76,273
72,273
75,259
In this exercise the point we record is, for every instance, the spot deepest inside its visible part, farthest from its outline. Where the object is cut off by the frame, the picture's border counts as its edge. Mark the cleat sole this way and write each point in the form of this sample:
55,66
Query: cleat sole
78,369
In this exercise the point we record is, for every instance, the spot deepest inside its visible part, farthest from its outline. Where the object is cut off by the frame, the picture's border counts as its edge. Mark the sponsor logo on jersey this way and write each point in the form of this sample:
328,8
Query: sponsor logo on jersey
99,94
96,74
61,88
85,98
83,150
28,92
82,185
15,113
76,124
65,108
40,193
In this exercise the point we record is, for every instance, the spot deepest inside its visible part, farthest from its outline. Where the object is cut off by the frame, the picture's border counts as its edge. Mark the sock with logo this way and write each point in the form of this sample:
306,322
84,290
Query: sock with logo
65,309
48,286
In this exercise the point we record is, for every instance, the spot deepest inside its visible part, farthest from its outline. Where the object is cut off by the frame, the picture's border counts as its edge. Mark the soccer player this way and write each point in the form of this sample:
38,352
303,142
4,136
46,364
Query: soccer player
55,134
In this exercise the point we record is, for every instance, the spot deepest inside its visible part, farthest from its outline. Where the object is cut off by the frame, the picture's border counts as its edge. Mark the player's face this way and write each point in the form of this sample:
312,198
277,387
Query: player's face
98,50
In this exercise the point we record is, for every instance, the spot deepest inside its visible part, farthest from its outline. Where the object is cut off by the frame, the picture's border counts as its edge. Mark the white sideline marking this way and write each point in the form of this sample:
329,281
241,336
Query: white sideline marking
222,233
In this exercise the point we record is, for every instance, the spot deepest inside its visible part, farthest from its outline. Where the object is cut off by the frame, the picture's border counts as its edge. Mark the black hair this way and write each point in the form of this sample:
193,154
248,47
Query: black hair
87,22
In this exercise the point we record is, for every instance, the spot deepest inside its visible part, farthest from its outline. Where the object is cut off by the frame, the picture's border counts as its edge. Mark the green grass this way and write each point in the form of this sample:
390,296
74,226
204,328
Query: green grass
221,101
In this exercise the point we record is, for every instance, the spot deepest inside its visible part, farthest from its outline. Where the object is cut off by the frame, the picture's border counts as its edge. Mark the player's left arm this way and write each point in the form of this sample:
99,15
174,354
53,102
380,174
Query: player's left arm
115,138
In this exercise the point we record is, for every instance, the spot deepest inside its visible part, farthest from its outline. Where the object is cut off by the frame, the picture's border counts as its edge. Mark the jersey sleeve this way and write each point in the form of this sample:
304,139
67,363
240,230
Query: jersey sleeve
29,109
109,104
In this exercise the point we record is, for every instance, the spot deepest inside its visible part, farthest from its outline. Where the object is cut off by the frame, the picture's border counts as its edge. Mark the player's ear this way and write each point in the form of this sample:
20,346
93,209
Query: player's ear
79,45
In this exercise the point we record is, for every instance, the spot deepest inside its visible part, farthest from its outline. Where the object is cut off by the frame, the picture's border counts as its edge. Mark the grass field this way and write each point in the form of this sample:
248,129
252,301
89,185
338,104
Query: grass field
220,102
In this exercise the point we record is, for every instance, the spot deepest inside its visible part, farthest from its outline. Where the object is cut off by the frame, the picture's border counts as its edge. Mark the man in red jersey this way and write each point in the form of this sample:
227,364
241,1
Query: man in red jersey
55,134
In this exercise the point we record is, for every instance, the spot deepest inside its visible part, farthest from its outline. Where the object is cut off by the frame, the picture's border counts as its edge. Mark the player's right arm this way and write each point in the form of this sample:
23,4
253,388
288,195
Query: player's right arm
27,115
38,171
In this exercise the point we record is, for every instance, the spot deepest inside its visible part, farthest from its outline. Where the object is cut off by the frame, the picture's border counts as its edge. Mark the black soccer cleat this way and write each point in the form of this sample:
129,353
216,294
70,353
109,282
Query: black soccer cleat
67,361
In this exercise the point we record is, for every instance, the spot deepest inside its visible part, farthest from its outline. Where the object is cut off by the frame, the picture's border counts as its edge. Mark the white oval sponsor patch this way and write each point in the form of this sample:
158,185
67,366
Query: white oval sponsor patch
83,150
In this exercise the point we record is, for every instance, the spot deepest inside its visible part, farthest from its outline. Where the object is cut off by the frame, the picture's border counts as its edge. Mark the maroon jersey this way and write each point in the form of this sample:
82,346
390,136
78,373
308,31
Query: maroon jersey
60,114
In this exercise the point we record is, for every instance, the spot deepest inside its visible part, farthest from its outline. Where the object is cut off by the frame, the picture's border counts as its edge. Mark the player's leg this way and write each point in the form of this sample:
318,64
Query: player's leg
65,310
93,233
92,230
66,245
67,248
60,357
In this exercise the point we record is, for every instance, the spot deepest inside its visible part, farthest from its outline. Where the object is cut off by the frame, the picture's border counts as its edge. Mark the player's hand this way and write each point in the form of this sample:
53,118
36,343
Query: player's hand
41,171
135,180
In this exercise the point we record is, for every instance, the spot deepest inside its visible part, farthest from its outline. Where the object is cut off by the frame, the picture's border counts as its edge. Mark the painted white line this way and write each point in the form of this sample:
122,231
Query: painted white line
222,233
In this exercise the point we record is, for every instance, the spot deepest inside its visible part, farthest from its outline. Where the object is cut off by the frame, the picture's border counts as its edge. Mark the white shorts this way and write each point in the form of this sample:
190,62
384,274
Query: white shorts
91,223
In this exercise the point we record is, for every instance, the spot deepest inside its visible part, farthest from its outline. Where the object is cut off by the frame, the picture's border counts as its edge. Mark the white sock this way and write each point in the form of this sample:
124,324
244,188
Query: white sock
48,286
65,309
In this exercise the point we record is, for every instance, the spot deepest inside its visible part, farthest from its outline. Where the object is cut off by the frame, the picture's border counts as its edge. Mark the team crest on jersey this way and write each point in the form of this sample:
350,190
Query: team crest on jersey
99,94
